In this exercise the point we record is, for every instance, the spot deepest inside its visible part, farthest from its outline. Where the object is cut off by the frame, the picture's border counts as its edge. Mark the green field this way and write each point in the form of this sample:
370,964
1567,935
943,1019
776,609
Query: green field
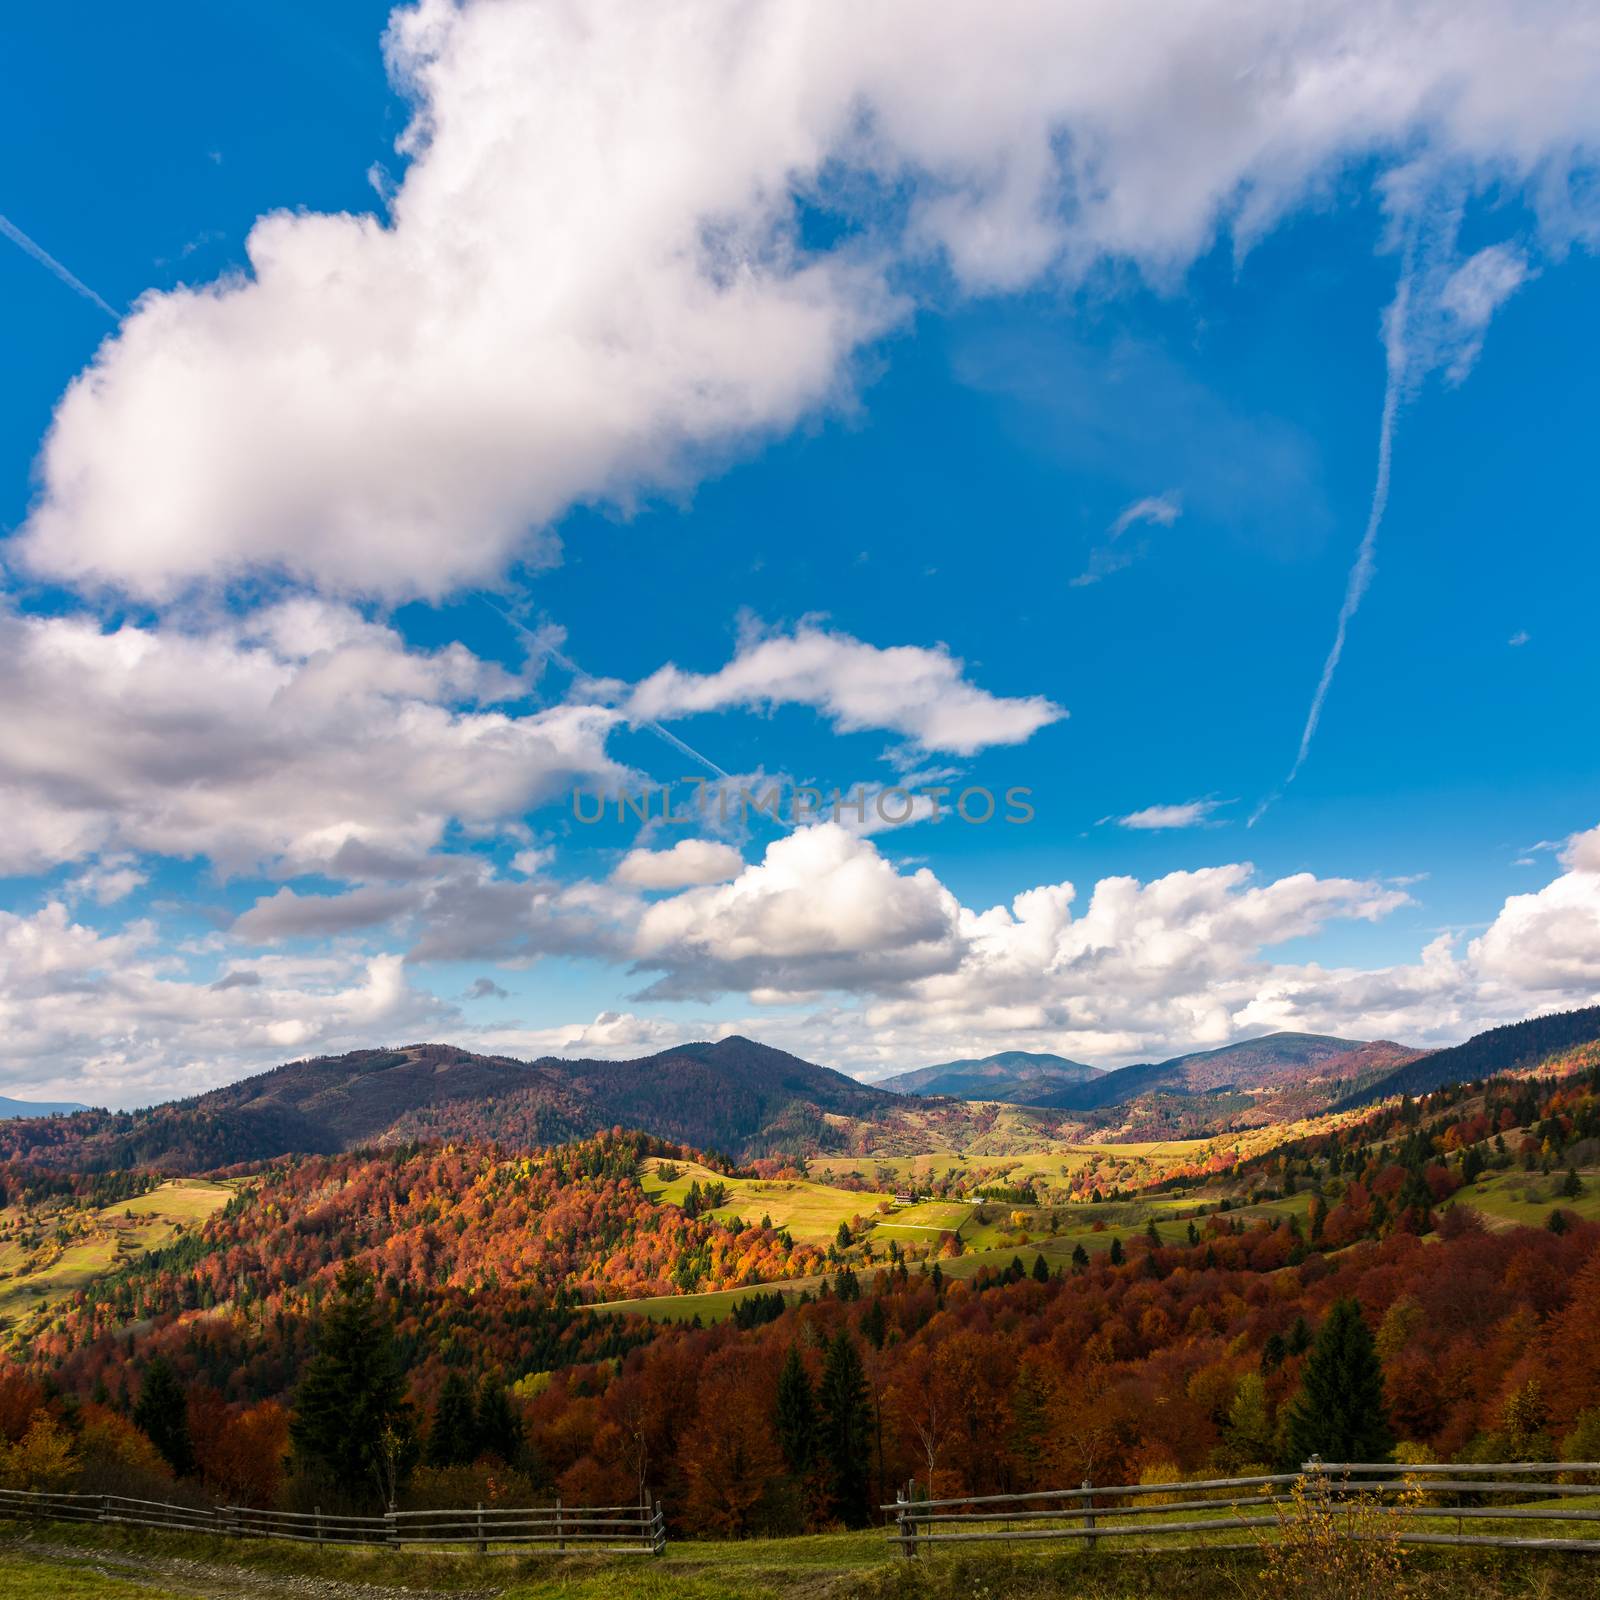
811,1211
1526,1199
54,1250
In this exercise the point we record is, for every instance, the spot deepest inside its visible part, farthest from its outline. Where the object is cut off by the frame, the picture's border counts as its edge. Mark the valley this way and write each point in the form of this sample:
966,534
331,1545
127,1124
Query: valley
1014,1305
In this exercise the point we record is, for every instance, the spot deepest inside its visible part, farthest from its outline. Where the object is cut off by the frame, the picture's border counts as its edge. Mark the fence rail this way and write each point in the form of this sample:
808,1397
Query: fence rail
1393,1499
491,1530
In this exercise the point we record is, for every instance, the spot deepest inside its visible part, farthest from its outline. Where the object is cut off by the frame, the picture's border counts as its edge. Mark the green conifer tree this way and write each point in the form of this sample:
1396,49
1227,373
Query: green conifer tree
846,1430
163,1415
352,1423
453,1430
1339,1413
499,1427
797,1415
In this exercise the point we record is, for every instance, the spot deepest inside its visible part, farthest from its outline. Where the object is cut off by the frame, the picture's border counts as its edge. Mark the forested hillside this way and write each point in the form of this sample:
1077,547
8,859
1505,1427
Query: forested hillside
734,1095
1174,1347
1520,1044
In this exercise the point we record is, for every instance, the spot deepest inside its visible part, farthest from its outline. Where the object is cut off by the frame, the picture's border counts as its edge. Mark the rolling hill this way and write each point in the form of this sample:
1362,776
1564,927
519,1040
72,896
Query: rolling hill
1016,1077
1507,1049
734,1095
1280,1074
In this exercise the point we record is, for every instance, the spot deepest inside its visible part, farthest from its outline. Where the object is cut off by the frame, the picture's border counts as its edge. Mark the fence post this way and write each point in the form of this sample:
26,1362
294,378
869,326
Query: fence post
318,1513
561,1539
105,1508
483,1547
658,1533
1088,1514
391,1528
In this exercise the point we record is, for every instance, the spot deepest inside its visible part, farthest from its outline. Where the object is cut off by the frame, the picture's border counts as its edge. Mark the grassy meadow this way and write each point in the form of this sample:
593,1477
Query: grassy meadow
50,1251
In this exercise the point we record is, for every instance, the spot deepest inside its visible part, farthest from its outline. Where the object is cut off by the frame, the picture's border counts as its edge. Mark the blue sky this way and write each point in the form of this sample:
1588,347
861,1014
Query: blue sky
727,426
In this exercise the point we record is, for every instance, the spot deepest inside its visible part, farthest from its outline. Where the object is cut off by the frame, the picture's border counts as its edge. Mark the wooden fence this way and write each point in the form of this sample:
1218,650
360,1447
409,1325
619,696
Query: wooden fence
1498,1500
491,1530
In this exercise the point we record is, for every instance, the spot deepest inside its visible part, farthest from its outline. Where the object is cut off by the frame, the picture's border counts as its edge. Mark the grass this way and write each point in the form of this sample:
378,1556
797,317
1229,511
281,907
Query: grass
832,1566
25,1578
810,1210
1502,1197
51,1269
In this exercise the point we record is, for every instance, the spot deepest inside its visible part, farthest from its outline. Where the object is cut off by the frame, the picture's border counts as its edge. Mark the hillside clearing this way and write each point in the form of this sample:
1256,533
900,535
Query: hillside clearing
52,1250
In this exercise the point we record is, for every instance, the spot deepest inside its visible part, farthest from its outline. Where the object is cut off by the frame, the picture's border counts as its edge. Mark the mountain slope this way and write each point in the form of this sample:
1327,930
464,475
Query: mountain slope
1012,1076
1267,1066
734,1095
1518,1044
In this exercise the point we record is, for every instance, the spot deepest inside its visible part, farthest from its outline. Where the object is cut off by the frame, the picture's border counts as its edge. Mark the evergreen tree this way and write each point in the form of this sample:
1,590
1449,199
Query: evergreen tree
875,1325
499,1427
1339,1413
163,1415
453,1432
1041,1271
1080,1258
1118,1256
1573,1186
797,1415
352,1423
846,1430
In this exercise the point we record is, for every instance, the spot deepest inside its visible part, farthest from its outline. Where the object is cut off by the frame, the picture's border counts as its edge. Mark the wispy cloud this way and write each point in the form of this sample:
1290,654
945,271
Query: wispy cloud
1190,814
1156,510
1519,638
49,262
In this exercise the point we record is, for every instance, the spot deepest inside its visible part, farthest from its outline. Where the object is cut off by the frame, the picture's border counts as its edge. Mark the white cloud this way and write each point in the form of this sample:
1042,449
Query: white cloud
108,1017
906,689
1162,510
1519,638
822,910
1159,511
591,277
301,738
106,881
846,959
688,862
1191,814
1472,294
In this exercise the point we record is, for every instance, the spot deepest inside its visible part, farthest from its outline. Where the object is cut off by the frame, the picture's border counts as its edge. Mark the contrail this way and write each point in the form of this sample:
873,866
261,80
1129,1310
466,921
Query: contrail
567,664
48,261
1361,572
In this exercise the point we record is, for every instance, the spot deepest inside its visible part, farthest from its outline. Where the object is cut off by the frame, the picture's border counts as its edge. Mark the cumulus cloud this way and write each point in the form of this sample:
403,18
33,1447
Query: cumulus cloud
108,1017
591,278
822,910
906,689
688,862
106,881
302,738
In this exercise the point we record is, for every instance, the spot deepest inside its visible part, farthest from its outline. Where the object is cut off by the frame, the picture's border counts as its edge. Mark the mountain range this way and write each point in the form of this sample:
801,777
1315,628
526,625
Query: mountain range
1276,1062
749,1100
